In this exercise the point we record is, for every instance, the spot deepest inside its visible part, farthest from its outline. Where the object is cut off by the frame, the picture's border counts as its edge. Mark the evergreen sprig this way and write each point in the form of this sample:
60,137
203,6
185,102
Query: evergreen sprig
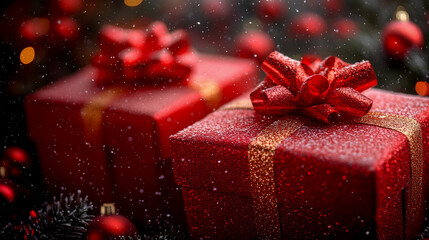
170,234
65,218
165,235
135,237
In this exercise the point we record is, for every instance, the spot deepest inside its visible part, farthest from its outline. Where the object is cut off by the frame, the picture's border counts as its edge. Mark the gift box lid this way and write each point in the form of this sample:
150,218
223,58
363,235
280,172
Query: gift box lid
58,108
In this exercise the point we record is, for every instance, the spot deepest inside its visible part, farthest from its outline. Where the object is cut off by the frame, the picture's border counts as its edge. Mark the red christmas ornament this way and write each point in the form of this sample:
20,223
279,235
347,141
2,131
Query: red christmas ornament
67,28
15,161
333,6
271,10
8,190
216,9
254,44
35,28
17,155
110,225
400,36
70,6
345,28
308,25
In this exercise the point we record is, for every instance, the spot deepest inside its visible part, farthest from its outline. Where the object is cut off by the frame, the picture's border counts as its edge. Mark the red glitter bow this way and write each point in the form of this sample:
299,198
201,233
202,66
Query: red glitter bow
151,56
327,90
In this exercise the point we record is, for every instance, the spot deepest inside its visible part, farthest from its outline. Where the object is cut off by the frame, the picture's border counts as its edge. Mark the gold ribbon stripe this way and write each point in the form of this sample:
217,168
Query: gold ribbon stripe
261,154
209,91
237,104
413,131
261,160
92,112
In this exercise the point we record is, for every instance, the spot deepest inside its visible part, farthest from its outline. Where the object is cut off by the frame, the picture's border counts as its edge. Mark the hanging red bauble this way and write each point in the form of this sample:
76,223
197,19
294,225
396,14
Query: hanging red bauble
400,36
15,161
344,28
254,44
216,9
17,155
110,225
67,28
308,25
70,6
333,6
34,28
8,190
271,10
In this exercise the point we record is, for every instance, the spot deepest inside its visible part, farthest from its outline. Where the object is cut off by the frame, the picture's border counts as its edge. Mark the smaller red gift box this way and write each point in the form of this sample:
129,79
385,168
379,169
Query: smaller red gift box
112,142
345,180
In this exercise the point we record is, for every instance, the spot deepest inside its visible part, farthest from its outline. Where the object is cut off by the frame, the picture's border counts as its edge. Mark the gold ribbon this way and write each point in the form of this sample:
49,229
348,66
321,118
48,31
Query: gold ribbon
92,112
238,104
209,91
261,154
413,131
92,118
261,160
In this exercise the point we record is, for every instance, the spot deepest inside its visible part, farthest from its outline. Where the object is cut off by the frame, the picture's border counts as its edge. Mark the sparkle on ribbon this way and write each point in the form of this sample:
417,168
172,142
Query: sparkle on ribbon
151,55
327,90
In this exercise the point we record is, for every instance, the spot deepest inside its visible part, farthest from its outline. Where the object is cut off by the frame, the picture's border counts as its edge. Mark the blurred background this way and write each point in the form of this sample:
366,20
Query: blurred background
44,40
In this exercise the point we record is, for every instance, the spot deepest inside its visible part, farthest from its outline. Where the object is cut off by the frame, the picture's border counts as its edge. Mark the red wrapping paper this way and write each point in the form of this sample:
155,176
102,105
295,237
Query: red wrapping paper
129,162
344,180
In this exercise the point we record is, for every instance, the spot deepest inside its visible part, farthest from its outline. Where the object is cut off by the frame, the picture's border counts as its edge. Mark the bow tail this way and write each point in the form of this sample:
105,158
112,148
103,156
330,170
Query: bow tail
349,103
285,71
274,100
359,76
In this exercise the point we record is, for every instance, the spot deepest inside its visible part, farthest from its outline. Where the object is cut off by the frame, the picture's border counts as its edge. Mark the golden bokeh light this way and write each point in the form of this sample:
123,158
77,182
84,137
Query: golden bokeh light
132,3
401,14
422,88
27,55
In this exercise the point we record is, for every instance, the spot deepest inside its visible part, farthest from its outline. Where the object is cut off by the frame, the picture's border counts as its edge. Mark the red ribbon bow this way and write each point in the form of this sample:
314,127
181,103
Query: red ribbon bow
153,55
327,90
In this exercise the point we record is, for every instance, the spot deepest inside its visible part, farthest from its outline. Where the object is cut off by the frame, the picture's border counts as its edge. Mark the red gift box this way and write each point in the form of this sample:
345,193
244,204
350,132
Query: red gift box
112,142
345,180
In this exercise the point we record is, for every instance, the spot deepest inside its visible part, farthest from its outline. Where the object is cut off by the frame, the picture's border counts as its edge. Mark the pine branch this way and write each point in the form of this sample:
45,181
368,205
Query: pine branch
66,218
135,237
167,235
9,232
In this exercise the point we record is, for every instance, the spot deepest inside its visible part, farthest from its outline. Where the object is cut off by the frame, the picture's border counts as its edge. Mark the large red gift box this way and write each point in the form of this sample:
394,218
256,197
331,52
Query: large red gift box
344,180
112,142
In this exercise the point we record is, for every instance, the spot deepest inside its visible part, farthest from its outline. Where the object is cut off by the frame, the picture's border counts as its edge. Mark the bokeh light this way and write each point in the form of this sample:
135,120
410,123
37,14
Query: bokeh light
401,14
27,55
422,88
7,192
35,28
132,3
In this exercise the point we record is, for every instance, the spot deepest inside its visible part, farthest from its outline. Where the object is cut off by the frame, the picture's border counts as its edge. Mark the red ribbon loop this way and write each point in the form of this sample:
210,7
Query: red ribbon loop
327,90
137,56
